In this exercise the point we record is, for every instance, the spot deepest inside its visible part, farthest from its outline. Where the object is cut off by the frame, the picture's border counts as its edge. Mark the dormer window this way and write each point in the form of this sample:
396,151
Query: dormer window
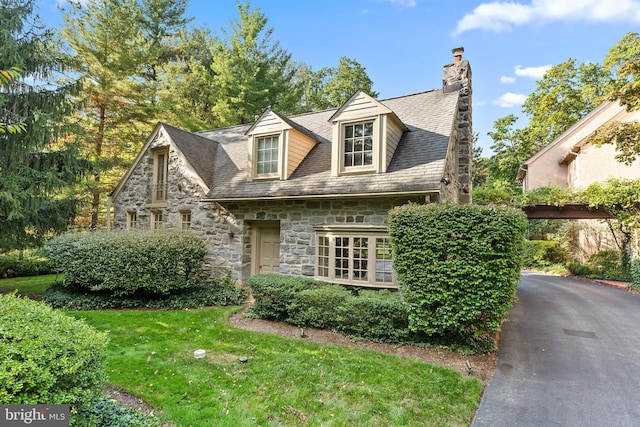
365,136
277,146
267,156
358,144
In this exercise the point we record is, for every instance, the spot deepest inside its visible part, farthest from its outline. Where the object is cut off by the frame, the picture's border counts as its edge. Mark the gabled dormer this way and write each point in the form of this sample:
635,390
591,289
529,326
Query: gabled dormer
365,135
277,146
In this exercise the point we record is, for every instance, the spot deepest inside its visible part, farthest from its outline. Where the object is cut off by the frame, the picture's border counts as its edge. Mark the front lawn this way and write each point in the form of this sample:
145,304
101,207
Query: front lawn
31,285
284,381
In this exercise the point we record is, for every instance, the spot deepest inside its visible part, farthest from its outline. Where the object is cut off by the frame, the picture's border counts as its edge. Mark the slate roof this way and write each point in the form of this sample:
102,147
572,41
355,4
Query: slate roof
416,167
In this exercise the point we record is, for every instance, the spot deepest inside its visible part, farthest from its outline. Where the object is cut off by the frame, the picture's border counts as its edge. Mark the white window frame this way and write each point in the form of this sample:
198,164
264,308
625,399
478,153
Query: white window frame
330,259
278,156
375,137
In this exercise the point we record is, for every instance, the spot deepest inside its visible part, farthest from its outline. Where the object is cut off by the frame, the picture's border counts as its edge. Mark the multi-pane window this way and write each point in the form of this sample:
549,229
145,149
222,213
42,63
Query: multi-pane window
132,220
267,155
156,221
358,144
356,259
185,220
160,173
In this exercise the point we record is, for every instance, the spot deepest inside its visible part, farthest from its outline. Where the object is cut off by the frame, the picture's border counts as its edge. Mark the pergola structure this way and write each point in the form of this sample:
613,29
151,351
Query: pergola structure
564,211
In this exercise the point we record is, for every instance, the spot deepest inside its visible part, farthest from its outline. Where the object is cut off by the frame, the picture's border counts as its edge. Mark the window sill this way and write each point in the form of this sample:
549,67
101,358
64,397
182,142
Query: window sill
159,204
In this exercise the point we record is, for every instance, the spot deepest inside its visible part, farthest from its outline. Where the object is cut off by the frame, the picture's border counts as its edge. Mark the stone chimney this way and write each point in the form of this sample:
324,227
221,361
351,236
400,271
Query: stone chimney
456,77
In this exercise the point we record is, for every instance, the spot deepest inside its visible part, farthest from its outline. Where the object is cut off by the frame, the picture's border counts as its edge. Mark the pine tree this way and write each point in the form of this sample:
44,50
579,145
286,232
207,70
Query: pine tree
38,169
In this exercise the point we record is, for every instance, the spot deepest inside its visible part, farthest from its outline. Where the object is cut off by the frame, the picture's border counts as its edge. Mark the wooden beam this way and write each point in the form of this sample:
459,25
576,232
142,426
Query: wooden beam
567,211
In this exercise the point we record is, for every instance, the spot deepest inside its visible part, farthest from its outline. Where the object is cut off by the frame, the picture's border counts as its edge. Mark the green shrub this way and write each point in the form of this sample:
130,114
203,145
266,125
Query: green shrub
26,262
222,291
635,273
542,253
318,308
107,413
273,293
607,264
458,266
126,263
48,357
577,268
380,316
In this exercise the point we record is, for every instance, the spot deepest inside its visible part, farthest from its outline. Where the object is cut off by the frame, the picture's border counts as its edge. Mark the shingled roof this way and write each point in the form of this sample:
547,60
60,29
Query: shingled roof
199,151
416,168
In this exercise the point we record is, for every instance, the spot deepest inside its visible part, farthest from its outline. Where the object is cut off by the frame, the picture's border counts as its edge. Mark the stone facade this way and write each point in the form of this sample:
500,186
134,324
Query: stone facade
457,77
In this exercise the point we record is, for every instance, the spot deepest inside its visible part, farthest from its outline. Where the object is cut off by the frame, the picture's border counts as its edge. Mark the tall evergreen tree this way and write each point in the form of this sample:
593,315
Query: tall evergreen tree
37,168
250,72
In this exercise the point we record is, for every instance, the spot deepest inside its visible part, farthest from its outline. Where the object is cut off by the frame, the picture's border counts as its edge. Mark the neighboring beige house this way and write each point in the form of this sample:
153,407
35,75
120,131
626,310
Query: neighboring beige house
569,161
306,195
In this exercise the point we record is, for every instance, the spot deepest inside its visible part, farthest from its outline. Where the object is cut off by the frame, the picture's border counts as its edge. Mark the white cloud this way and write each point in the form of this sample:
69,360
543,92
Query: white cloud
502,16
533,72
479,103
510,99
507,80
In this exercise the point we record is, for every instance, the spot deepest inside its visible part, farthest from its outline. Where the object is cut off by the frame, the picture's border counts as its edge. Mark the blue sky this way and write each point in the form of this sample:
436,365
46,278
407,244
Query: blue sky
403,44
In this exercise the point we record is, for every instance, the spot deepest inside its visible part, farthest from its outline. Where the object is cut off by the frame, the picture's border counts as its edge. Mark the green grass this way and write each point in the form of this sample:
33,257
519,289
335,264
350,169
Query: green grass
31,285
285,381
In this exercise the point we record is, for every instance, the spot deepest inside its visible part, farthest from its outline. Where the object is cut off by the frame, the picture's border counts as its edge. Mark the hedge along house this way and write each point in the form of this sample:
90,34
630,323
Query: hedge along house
306,195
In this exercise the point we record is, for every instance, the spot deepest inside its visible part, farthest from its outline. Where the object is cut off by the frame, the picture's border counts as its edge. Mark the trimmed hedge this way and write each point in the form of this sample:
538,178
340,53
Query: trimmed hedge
217,292
379,315
458,266
126,263
376,315
47,356
318,308
274,293
26,262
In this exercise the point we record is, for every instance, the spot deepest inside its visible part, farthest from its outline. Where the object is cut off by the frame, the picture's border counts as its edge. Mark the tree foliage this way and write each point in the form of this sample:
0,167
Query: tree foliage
330,87
624,59
118,47
37,168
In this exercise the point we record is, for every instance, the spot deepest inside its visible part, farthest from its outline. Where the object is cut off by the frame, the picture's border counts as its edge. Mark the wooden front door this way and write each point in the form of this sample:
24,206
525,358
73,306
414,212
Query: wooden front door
268,253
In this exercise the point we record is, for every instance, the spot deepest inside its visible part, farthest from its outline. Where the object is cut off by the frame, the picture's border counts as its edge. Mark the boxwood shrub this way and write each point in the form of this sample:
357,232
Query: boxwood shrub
457,266
273,293
126,263
47,356
376,315
318,308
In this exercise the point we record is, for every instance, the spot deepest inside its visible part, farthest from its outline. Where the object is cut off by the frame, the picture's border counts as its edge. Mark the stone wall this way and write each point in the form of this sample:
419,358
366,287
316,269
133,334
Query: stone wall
298,221
183,194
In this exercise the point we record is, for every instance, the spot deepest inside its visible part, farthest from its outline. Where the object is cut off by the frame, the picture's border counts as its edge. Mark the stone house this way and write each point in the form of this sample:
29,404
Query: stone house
571,161
306,195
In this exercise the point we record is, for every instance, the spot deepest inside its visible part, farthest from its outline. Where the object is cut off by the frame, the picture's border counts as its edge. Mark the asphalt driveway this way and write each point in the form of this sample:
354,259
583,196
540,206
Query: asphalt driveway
569,356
